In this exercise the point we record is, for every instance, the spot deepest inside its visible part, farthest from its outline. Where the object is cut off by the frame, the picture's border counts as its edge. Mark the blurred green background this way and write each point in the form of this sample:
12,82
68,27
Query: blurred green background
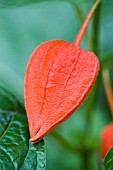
24,24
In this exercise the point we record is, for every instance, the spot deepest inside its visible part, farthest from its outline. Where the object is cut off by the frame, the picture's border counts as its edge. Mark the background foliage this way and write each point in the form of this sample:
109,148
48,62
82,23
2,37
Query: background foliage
23,26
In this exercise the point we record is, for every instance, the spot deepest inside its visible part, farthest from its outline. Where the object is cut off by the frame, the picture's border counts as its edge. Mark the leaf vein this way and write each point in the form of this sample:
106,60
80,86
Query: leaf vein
7,127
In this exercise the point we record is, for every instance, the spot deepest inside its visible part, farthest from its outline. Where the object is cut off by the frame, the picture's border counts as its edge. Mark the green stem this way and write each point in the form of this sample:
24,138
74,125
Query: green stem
96,24
93,96
91,103
108,88
86,162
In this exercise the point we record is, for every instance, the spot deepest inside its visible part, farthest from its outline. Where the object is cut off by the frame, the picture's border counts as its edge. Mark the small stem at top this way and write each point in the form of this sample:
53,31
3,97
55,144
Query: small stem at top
85,24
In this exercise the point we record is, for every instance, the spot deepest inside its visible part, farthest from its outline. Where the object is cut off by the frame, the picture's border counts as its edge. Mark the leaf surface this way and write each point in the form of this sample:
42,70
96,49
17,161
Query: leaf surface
16,151
108,161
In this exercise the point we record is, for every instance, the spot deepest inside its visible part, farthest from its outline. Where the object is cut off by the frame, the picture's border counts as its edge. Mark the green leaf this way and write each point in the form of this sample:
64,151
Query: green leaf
108,161
16,151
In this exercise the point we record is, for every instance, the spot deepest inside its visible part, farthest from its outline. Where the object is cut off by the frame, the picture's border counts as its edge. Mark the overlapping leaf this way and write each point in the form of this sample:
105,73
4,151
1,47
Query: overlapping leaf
108,161
16,151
